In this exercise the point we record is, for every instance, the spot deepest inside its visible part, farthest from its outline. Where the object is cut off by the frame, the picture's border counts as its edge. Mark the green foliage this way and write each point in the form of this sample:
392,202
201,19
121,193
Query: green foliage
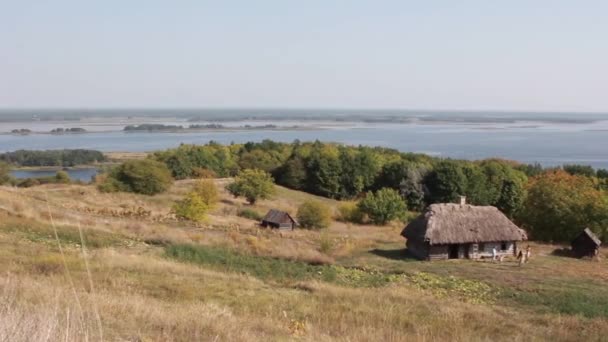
62,158
383,206
468,290
313,215
185,160
324,172
447,182
192,207
293,173
62,177
253,185
146,177
560,205
250,214
579,170
279,270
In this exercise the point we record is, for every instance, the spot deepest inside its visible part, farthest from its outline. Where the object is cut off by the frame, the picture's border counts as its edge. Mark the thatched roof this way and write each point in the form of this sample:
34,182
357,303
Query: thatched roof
278,216
592,236
456,223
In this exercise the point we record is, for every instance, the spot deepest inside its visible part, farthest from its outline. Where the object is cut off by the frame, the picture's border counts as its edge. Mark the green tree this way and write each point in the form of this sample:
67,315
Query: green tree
579,170
293,173
383,206
253,185
560,205
146,176
446,182
313,214
324,172
192,207
412,187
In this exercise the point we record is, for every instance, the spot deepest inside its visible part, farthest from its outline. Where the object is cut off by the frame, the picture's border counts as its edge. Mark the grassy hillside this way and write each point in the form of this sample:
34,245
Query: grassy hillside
151,278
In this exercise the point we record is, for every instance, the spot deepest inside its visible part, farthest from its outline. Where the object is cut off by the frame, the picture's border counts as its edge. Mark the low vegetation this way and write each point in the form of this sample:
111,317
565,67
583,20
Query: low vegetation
314,215
229,279
63,158
144,176
252,184
250,214
382,206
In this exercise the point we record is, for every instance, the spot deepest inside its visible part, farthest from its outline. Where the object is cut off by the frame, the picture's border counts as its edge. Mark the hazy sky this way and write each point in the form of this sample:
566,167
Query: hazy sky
505,55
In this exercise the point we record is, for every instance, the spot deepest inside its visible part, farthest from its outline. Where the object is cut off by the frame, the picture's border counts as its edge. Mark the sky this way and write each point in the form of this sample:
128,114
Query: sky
540,55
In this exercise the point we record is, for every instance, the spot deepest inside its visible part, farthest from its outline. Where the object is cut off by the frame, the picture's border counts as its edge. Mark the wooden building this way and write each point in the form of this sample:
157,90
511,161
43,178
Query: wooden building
279,219
586,244
457,231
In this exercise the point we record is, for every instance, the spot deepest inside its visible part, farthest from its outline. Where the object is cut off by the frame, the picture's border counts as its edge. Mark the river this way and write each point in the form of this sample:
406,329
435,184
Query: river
547,143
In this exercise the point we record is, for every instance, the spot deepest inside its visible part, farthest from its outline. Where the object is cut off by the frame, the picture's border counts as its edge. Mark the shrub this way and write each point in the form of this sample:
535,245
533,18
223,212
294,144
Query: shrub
253,185
313,214
62,177
207,190
383,206
192,207
145,176
349,212
250,214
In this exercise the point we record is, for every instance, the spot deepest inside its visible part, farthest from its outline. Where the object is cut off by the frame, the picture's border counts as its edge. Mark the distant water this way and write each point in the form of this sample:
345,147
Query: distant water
83,175
529,142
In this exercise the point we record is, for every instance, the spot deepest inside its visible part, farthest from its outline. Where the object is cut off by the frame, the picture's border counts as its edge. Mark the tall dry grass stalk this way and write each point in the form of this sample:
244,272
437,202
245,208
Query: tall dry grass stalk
91,284
66,268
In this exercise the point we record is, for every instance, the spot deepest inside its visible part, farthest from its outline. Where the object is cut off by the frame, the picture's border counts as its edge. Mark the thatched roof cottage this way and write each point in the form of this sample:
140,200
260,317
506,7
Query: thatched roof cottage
279,219
456,231
585,244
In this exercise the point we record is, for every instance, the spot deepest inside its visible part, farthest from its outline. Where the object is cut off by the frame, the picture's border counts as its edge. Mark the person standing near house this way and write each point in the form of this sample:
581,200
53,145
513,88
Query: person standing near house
521,258
494,254
528,254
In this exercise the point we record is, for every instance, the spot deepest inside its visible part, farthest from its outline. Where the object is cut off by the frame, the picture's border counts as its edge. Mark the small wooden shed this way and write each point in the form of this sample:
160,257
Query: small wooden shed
586,244
461,231
279,219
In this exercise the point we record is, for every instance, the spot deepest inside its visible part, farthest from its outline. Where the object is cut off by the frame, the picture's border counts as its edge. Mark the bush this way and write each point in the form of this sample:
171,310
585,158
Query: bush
207,190
349,212
145,176
62,177
313,214
250,214
253,185
192,207
383,206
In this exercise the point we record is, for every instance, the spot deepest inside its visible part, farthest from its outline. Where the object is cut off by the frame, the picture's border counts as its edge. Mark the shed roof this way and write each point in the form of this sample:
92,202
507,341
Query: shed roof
277,216
591,235
462,223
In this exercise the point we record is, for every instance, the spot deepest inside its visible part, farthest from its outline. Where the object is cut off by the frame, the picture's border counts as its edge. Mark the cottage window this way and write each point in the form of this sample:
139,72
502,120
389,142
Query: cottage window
481,247
503,246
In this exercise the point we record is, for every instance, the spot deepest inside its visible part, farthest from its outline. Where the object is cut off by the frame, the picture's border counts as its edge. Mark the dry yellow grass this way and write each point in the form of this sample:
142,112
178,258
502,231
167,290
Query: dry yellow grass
143,296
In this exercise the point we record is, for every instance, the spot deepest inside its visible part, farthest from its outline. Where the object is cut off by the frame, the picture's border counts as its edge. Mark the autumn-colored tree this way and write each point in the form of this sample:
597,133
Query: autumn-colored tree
207,191
192,207
559,205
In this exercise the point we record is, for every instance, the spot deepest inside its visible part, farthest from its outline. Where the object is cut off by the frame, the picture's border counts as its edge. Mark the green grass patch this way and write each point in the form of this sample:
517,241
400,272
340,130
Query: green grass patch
250,214
564,296
267,268
68,235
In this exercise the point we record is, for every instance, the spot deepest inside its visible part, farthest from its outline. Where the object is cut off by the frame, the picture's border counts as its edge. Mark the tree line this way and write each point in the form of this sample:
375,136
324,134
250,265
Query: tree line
356,172
62,158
